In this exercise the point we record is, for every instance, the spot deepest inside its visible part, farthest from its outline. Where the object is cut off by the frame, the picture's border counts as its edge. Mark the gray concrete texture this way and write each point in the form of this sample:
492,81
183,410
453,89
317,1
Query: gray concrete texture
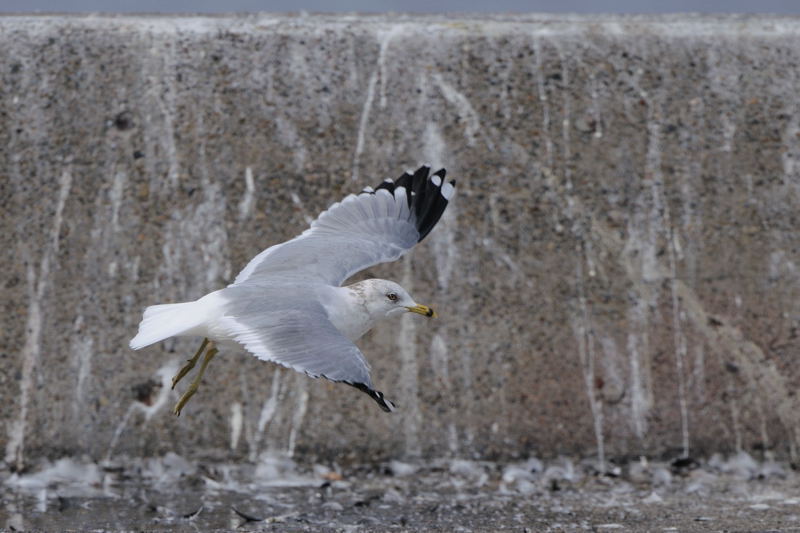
619,274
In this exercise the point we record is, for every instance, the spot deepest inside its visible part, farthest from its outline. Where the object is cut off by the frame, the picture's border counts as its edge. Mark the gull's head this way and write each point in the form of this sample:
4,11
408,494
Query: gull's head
387,298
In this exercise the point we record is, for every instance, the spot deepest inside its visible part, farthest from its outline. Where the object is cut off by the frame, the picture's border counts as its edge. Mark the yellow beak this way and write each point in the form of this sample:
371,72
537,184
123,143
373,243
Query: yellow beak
423,310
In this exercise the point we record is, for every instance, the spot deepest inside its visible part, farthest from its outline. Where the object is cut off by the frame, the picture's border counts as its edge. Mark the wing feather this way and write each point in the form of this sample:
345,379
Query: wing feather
300,337
376,226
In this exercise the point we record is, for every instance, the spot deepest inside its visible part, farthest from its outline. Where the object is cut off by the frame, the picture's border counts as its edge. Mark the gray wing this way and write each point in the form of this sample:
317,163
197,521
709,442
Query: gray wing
302,339
375,226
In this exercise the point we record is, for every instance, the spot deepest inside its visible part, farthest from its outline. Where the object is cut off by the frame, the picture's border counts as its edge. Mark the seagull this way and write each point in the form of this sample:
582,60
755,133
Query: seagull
288,306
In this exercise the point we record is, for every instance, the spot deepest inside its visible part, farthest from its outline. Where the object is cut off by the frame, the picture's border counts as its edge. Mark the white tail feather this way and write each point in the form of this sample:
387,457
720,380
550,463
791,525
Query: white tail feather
167,320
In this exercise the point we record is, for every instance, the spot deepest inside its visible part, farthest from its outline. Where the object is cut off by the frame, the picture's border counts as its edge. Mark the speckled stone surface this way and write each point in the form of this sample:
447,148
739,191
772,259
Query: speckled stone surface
619,273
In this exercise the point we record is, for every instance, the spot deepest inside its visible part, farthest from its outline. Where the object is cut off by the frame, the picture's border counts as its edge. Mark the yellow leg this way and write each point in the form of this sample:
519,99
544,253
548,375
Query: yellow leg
212,351
189,364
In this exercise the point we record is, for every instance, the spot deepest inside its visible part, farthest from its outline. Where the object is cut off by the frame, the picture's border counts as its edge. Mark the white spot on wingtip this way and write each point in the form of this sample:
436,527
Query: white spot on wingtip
437,181
447,191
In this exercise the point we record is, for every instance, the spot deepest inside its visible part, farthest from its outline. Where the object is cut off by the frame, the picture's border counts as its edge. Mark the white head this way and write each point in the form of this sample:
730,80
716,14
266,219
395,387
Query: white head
384,298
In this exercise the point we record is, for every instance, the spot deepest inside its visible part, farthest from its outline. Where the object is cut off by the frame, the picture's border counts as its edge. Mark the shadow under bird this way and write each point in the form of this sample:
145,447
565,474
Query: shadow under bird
288,306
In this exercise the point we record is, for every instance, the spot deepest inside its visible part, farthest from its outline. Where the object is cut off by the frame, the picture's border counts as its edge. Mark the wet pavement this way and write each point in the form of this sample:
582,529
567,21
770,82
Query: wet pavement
172,494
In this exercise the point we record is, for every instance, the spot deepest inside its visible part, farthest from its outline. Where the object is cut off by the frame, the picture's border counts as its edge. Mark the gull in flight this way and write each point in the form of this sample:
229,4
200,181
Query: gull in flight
288,306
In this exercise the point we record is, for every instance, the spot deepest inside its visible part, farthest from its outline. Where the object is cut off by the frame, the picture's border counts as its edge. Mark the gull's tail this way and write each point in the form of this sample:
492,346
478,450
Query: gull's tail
167,320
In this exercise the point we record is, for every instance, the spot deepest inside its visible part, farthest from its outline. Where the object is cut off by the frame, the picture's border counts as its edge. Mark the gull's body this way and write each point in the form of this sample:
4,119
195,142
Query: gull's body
287,305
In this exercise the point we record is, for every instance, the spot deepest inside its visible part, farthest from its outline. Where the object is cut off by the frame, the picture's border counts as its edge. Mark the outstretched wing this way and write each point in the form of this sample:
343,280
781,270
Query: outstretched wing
376,226
299,337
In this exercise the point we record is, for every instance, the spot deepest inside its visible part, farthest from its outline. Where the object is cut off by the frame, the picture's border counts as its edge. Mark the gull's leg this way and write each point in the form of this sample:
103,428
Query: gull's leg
189,364
212,351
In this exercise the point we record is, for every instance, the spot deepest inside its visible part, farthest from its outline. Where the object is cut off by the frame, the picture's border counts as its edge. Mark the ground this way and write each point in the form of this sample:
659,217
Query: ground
277,493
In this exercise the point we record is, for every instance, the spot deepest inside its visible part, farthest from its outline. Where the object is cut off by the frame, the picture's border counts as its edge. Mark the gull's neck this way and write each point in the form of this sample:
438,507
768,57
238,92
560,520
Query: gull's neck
348,311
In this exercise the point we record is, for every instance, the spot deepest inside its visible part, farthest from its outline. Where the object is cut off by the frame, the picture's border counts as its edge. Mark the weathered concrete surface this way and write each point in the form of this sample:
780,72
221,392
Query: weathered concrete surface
617,276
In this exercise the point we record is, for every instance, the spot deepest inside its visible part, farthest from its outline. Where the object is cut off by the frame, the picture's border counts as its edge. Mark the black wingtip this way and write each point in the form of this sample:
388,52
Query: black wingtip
430,202
376,395
427,198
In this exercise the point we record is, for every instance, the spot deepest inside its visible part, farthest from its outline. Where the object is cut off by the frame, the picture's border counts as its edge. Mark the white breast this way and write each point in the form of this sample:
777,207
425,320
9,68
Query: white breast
347,310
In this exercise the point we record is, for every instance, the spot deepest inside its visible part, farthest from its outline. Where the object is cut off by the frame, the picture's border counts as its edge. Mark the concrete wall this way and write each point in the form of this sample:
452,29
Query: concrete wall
619,273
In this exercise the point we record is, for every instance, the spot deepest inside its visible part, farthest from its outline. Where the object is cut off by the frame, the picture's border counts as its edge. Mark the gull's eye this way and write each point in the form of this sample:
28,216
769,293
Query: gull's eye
392,297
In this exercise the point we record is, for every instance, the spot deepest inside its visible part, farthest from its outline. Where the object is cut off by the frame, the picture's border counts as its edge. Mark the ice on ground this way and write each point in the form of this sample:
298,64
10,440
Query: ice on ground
167,469
174,492
277,470
521,476
653,498
67,476
700,482
661,476
563,470
741,465
468,472
401,469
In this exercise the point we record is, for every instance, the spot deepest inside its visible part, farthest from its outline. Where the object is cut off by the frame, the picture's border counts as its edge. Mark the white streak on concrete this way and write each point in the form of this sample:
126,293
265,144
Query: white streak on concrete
195,248
248,200
268,411
393,31
566,112
237,419
299,203
543,100
728,133
164,377
65,183
614,388
434,148
444,248
598,122
209,230
164,374
82,348
409,371
661,217
385,38
160,76
301,394
637,345
473,126
584,333
363,126
697,382
294,142
439,364
32,349
116,195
